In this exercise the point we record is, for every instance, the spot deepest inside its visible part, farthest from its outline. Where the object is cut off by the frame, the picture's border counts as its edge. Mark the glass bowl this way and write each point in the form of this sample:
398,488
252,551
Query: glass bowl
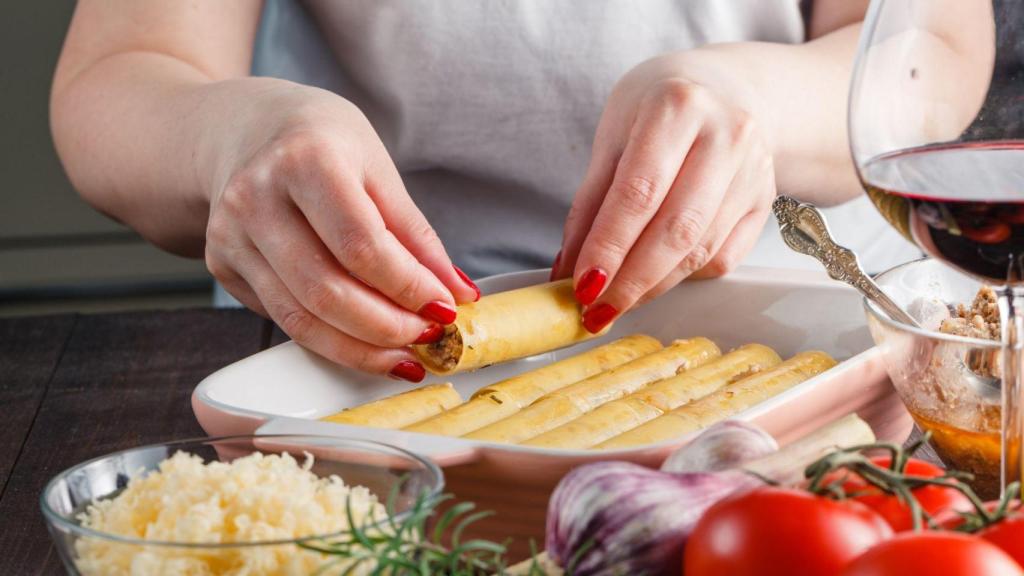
386,471
959,405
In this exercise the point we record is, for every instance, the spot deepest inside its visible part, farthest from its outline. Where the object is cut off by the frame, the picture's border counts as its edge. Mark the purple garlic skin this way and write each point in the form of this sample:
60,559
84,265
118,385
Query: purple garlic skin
723,446
629,519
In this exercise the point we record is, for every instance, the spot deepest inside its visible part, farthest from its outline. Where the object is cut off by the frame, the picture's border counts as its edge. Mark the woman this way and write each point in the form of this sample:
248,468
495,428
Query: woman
452,131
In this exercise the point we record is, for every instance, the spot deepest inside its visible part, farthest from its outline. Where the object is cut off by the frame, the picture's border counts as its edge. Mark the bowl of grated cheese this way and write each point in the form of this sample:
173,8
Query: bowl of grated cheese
253,505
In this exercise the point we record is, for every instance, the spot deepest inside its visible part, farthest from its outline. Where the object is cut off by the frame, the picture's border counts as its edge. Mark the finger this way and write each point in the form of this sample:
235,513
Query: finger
739,244
758,175
659,141
315,334
219,264
404,219
311,274
728,257
609,140
692,223
347,221
585,205
242,292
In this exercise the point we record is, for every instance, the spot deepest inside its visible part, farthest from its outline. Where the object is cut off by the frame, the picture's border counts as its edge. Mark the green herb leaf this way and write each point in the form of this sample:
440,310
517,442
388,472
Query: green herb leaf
402,544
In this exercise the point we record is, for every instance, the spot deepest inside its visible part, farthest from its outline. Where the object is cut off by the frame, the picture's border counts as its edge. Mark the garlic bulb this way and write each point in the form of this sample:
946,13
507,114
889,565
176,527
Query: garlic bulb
628,519
618,518
725,445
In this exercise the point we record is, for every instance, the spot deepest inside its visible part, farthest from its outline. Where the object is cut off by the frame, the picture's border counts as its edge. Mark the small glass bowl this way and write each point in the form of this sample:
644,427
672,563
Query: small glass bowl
383,469
949,384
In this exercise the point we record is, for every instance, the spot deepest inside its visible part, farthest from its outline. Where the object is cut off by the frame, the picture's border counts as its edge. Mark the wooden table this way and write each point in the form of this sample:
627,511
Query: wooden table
74,387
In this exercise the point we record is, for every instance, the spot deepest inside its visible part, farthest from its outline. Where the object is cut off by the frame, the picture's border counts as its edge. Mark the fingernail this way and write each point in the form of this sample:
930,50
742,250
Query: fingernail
432,334
468,282
596,318
554,266
590,286
408,370
438,311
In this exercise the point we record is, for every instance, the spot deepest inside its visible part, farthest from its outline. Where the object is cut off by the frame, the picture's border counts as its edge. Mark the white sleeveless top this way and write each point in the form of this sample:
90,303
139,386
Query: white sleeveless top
489,108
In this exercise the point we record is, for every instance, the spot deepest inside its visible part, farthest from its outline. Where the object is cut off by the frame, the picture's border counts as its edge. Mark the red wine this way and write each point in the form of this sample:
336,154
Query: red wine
960,203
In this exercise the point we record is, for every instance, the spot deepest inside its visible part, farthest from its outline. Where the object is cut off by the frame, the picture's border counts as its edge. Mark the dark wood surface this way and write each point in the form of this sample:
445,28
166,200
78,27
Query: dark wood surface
76,387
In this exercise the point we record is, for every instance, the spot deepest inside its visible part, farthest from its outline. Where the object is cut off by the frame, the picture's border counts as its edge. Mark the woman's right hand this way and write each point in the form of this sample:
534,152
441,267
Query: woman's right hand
311,225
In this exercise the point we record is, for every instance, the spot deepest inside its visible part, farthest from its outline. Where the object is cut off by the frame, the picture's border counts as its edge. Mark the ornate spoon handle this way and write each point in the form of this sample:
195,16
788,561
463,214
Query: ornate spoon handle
804,230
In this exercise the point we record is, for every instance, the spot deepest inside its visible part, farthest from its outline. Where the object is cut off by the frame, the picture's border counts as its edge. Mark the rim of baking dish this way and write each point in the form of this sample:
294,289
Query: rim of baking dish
756,273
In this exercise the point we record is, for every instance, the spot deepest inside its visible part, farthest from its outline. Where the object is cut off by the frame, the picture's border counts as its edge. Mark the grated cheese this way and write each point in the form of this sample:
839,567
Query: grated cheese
256,497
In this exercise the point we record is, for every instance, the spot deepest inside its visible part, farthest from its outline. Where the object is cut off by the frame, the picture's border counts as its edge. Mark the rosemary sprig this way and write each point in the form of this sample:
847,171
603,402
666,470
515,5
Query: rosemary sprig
404,544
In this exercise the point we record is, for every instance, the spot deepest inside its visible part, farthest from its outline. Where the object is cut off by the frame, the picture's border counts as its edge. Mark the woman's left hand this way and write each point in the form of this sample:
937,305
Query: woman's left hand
680,184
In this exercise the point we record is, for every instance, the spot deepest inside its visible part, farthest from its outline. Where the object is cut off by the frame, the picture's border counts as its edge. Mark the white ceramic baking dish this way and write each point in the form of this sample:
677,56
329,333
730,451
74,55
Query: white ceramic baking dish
285,389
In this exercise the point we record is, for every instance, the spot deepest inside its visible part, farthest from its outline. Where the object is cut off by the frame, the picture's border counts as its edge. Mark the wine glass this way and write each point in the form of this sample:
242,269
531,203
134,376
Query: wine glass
936,123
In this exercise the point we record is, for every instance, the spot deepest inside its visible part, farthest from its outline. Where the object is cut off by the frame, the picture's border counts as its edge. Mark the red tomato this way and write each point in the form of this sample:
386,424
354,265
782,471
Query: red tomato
780,531
934,499
993,233
951,520
934,554
1008,535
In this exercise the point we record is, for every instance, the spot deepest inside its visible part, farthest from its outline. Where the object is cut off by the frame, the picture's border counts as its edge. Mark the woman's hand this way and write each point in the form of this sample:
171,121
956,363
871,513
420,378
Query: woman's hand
679,185
311,225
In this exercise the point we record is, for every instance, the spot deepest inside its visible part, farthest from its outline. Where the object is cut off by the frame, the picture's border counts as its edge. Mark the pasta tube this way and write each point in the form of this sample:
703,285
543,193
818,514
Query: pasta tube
577,399
401,409
726,402
492,403
506,326
613,418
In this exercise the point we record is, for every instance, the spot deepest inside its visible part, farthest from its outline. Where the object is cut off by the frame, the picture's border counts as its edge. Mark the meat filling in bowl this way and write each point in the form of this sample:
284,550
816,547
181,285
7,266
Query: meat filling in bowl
965,427
979,320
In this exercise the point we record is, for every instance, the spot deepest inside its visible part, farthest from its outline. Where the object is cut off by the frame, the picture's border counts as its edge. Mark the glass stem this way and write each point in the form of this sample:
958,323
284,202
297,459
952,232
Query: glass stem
1011,316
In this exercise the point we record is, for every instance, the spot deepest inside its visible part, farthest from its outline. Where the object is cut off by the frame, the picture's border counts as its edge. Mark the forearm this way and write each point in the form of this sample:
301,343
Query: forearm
136,96
135,131
797,95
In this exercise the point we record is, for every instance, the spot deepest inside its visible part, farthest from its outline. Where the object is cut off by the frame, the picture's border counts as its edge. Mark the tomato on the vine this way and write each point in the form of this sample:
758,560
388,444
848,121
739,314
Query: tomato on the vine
953,520
933,553
933,499
1008,535
780,531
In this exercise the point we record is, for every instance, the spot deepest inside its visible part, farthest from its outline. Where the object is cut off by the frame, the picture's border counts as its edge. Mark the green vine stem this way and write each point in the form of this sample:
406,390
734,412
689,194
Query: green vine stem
893,479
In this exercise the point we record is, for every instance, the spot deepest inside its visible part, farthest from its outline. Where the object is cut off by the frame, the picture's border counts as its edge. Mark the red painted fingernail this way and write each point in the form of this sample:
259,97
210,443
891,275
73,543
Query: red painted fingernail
432,334
438,311
596,318
590,286
468,282
554,266
408,370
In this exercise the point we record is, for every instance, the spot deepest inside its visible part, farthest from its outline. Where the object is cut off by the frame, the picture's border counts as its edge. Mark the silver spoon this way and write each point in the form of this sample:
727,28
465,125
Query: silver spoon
804,229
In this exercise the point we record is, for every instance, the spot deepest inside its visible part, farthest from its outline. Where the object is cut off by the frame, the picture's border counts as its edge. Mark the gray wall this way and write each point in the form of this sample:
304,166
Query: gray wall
50,240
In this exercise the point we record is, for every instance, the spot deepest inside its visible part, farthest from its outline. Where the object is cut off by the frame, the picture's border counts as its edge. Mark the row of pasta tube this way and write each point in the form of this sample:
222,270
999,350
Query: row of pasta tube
627,393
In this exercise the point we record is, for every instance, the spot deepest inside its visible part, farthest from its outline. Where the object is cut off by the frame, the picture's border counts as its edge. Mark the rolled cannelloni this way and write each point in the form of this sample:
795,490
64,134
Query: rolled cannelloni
502,399
577,399
505,326
615,417
401,409
725,402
